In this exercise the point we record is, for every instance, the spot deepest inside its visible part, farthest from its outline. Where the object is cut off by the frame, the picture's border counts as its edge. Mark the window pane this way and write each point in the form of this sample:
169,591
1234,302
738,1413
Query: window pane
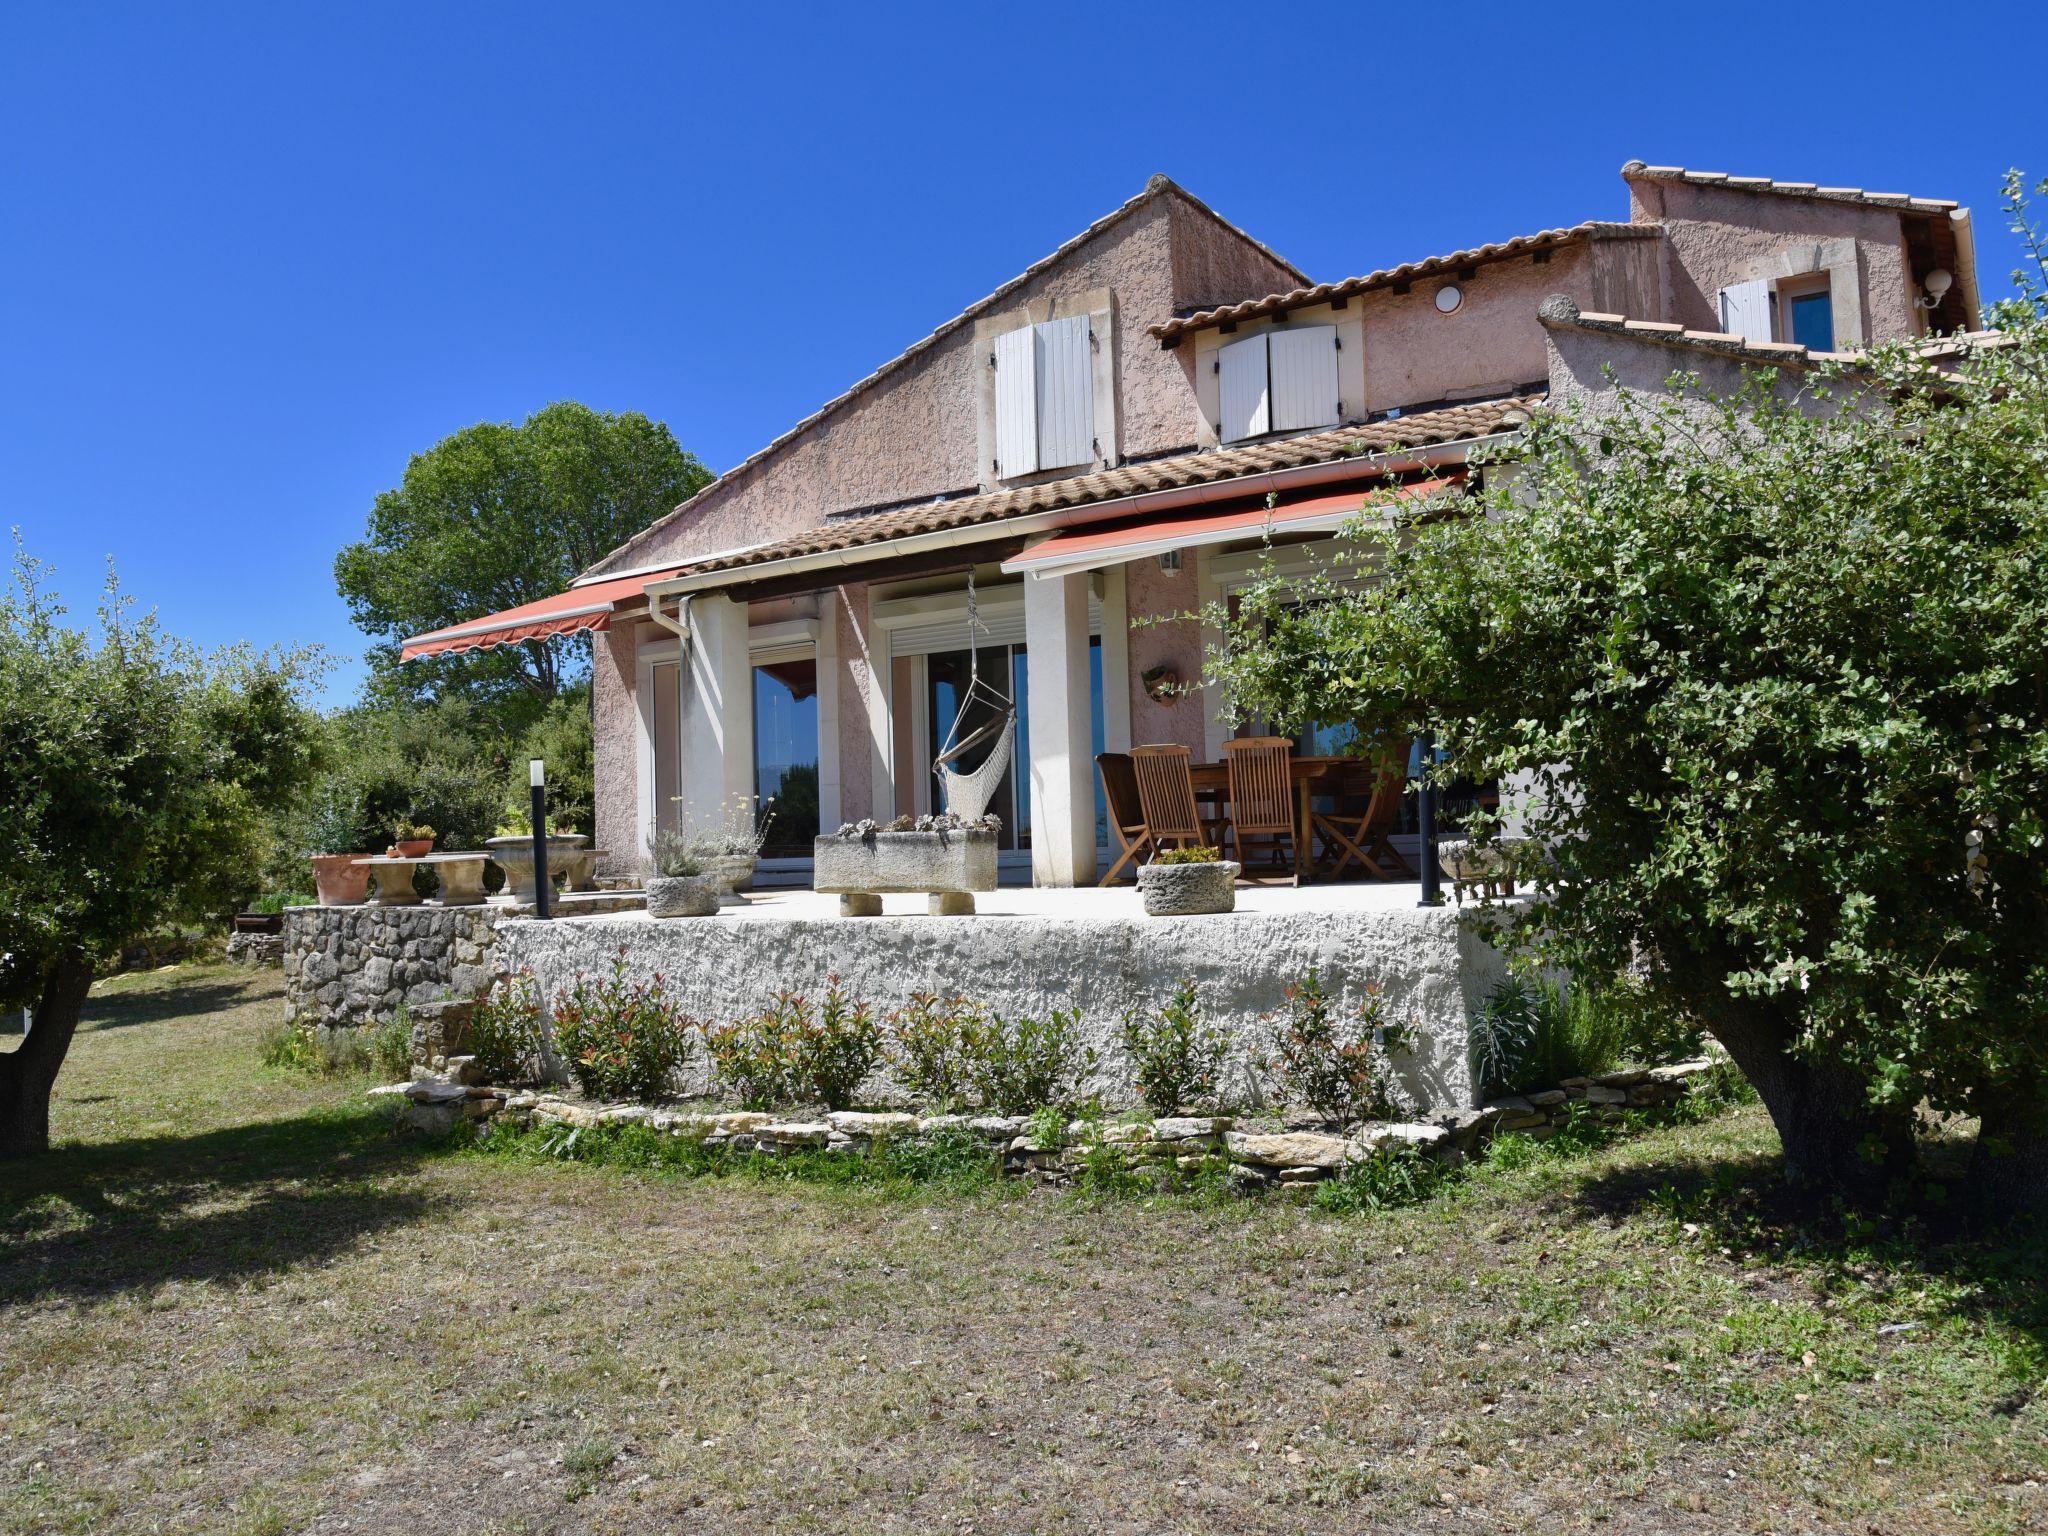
1813,321
786,754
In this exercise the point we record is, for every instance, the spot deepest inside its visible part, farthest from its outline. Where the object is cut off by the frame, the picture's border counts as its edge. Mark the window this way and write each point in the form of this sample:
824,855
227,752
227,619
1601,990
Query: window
1810,319
1278,381
786,753
1045,397
946,680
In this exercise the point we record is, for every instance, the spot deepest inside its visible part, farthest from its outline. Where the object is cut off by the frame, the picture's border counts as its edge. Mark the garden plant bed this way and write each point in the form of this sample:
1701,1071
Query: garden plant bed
237,1303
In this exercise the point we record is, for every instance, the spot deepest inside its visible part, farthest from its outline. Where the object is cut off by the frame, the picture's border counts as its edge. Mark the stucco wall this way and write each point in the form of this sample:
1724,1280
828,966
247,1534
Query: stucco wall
1715,236
1592,367
614,660
914,434
855,683
1174,642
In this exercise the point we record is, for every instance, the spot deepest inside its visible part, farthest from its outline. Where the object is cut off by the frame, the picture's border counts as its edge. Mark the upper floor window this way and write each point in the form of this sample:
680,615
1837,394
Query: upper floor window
1045,397
1808,315
1793,309
1278,381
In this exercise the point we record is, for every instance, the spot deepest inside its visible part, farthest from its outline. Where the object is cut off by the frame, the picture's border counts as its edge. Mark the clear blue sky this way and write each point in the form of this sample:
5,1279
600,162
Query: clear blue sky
253,257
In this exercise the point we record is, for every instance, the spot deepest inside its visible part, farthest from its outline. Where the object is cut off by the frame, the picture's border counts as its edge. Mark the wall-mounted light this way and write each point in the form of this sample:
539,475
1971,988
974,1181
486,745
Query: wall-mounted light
1448,298
1934,286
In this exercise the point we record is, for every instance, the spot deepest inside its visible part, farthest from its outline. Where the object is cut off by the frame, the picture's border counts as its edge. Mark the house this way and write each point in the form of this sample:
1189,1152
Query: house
1072,467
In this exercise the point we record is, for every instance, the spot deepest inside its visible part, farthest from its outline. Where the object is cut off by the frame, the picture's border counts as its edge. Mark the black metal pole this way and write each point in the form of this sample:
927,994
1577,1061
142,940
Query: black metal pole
1425,821
543,890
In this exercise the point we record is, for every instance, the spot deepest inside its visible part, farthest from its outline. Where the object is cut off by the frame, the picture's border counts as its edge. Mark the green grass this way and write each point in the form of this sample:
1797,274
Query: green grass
234,1300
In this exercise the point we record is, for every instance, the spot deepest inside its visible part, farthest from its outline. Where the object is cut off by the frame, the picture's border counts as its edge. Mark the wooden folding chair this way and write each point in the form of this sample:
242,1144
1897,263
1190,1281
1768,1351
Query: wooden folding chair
1365,838
1260,770
1166,795
1126,815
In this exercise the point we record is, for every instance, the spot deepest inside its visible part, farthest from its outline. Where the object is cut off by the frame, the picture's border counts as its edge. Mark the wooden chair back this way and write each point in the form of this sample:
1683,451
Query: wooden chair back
1261,783
1166,793
1120,791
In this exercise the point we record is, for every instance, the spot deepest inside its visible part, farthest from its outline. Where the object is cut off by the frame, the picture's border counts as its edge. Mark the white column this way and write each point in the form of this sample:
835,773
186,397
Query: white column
1116,661
1062,764
718,711
828,712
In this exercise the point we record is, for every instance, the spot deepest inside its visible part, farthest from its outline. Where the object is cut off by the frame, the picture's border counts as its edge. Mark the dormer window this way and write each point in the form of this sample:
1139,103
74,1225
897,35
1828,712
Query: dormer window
1798,309
1045,397
1278,381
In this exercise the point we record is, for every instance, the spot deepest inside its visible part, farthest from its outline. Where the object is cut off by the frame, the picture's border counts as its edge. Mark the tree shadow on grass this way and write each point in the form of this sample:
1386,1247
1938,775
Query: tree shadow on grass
86,1222
187,1000
1745,1206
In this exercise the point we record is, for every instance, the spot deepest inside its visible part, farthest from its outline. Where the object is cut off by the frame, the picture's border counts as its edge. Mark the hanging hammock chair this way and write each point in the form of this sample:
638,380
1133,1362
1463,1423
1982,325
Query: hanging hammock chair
968,793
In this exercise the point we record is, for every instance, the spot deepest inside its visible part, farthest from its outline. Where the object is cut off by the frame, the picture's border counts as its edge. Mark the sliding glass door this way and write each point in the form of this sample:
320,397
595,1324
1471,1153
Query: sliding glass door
1002,667
786,753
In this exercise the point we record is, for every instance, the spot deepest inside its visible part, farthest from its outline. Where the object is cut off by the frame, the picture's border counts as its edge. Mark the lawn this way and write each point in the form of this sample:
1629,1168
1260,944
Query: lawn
235,1301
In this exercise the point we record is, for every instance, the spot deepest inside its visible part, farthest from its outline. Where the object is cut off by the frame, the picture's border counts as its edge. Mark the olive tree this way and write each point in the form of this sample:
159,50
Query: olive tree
137,775
1772,669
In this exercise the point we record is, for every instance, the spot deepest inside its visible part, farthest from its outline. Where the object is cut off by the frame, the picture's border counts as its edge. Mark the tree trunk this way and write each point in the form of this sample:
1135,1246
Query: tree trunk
1837,1145
2009,1164
28,1074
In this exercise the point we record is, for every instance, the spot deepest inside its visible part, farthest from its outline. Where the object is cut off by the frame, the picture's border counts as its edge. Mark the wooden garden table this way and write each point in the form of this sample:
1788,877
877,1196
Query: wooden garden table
1309,775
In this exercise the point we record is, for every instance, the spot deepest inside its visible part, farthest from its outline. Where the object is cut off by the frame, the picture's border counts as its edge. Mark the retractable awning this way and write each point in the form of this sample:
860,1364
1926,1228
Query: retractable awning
566,613
1088,549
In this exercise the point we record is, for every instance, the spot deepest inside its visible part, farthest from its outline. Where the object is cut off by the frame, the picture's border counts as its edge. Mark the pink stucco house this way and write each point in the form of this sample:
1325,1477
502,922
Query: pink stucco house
1085,441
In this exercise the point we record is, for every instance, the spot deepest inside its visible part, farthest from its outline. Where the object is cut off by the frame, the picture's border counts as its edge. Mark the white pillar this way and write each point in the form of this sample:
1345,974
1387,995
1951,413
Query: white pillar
1062,762
717,719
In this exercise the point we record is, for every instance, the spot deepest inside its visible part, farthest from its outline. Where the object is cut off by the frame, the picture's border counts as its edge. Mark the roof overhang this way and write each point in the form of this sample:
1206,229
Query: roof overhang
577,611
1088,549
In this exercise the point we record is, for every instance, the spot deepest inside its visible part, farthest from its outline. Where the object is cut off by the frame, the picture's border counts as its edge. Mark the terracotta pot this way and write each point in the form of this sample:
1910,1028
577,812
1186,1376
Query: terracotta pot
338,880
414,847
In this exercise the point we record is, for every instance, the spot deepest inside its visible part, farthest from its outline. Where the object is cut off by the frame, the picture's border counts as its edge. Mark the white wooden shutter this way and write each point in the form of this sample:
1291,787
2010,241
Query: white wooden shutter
1241,389
1746,310
1304,368
1066,393
1016,403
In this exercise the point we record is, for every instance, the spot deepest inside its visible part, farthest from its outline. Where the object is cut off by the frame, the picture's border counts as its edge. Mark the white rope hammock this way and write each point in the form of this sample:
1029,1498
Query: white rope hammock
967,794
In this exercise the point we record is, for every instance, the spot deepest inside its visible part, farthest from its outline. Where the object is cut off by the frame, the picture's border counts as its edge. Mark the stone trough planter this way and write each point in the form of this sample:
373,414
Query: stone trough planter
949,866
731,873
514,855
1188,890
681,896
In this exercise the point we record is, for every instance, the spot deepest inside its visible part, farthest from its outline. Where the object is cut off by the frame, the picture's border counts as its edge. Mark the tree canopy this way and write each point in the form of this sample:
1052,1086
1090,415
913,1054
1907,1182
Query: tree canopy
1772,669
497,515
139,777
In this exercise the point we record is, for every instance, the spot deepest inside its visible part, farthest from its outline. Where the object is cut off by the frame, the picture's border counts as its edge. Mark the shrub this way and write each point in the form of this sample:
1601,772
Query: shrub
507,1034
673,855
390,1046
1017,1065
1536,1035
793,1050
1175,1058
927,1048
1389,1178
289,1048
1197,855
1342,1073
621,1039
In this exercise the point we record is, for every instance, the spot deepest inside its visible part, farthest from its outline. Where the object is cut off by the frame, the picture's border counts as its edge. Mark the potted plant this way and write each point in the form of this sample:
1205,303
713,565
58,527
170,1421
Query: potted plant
729,851
1162,684
945,856
511,849
1184,882
337,829
412,840
676,883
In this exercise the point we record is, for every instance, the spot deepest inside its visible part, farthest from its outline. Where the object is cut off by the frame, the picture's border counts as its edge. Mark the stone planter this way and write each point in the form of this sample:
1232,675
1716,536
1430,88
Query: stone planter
338,881
945,864
1186,890
514,855
731,873
681,896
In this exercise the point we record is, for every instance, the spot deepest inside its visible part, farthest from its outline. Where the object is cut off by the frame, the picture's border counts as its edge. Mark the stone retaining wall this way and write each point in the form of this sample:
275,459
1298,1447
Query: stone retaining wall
345,967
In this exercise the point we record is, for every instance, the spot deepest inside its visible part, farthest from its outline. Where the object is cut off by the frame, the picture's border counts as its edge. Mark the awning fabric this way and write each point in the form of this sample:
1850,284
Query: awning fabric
1088,549
566,613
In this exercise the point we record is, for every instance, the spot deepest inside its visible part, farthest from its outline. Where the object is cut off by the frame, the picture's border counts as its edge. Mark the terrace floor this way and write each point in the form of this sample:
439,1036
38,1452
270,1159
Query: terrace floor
1113,902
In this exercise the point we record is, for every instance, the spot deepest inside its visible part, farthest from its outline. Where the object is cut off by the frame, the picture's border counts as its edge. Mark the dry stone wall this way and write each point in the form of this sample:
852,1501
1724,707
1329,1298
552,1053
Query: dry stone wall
345,967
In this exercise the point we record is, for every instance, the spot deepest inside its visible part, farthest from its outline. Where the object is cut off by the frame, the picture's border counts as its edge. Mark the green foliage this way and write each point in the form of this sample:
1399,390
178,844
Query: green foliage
288,1047
1339,1068
137,776
412,831
621,1039
508,1031
562,739
1047,1128
797,1051
1015,1066
1530,1036
1789,644
1175,1058
1390,1178
673,856
1202,854
390,1046
500,514
927,1048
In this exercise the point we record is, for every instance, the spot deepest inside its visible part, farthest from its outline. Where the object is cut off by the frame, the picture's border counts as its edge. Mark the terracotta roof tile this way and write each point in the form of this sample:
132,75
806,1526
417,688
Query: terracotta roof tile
1426,429
1635,170
1559,311
1323,293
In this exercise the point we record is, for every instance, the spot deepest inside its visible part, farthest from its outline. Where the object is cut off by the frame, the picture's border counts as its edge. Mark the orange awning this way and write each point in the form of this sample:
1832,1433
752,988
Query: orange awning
1087,549
566,613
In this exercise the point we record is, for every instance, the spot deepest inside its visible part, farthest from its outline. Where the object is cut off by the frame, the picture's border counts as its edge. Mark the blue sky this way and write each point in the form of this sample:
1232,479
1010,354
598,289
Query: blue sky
251,258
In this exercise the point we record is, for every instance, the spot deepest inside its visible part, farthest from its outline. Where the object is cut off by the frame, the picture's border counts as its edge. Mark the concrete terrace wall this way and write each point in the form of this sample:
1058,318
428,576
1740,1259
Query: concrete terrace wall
1433,973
